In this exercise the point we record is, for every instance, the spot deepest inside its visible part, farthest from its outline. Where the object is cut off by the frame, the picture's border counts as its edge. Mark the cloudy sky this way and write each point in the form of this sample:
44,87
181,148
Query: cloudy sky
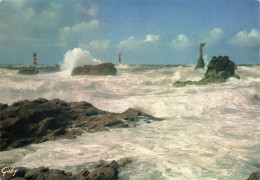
144,31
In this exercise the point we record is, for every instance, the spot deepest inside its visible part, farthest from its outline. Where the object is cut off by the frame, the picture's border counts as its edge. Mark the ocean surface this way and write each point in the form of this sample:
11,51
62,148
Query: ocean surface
208,132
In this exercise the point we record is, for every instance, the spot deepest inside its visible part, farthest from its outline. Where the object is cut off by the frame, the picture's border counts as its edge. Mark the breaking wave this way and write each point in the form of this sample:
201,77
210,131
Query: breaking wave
78,57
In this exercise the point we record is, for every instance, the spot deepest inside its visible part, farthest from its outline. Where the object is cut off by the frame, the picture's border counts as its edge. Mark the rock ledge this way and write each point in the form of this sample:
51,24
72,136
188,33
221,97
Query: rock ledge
27,122
100,69
102,171
219,70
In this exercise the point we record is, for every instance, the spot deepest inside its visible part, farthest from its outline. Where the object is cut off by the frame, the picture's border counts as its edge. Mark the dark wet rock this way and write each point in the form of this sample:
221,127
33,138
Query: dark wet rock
46,173
125,162
40,101
81,174
132,114
114,164
57,171
31,173
254,176
43,173
100,69
3,106
219,70
27,122
28,71
103,171
49,176
21,172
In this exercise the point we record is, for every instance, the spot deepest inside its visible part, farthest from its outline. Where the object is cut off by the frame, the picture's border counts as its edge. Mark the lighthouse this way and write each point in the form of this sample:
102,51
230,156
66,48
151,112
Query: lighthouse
200,63
34,59
119,59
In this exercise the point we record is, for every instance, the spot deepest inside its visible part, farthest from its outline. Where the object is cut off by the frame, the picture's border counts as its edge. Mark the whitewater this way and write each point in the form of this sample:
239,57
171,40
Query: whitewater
208,132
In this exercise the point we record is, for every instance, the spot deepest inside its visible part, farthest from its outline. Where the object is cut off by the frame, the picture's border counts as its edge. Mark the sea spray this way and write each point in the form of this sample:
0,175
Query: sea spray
78,57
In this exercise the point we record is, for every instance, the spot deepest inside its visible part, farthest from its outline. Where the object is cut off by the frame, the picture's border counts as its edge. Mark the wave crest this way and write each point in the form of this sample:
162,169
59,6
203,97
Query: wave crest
78,57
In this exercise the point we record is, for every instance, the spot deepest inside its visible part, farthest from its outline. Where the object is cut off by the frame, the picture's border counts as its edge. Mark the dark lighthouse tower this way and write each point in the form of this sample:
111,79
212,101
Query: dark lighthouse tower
119,59
34,59
200,63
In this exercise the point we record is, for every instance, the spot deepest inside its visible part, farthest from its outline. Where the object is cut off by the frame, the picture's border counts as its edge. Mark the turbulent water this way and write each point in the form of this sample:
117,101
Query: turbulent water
209,132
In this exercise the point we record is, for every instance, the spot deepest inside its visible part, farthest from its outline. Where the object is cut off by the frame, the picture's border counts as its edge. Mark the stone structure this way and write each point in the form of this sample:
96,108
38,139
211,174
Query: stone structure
200,63
119,59
100,69
34,59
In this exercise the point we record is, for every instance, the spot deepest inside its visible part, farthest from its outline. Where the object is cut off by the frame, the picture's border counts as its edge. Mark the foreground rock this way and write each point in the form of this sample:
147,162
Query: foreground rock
100,69
219,70
254,176
29,71
26,122
103,171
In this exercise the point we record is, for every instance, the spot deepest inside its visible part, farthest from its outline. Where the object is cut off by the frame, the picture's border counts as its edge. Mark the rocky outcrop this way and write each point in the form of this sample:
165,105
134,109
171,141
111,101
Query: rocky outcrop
26,122
105,171
29,71
254,176
219,70
100,69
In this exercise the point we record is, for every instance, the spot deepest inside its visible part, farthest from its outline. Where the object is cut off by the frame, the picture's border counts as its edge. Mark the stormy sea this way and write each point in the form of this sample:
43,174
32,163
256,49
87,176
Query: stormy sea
208,132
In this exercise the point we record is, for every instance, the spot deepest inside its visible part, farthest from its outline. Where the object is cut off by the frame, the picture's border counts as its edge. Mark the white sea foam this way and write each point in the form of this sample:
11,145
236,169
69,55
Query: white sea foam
122,66
189,148
210,131
78,57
